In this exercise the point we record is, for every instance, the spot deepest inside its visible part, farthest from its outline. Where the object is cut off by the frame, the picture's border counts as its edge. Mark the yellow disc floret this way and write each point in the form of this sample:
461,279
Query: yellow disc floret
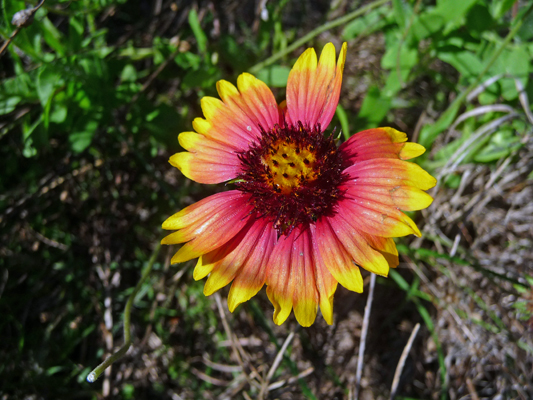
290,166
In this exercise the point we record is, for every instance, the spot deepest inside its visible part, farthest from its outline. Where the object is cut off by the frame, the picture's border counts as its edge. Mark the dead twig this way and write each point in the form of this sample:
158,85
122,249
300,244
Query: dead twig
237,349
278,384
275,365
401,363
364,331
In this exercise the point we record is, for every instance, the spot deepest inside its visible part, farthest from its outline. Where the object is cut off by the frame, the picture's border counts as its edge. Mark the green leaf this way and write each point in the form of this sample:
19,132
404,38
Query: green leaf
501,7
340,112
407,60
526,30
400,9
58,114
188,60
52,36
515,62
467,63
427,24
47,80
82,138
374,108
275,75
479,20
501,144
199,34
128,74
453,11
429,132
8,104
203,78
75,33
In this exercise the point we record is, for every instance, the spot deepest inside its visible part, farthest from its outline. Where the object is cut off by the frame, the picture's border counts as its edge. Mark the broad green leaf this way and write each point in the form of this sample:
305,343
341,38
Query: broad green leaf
514,62
47,80
81,139
58,114
427,24
52,36
393,84
22,85
453,11
8,104
75,33
499,8
526,30
374,108
479,20
128,74
275,75
402,12
467,63
407,59
29,129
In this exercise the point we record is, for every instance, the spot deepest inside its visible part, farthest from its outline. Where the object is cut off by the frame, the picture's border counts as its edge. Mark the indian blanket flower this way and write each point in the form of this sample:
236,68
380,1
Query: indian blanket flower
305,214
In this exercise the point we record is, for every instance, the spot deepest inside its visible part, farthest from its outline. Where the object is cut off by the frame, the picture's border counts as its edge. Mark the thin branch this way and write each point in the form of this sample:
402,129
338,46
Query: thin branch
401,363
275,365
95,373
236,345
292,379
364,332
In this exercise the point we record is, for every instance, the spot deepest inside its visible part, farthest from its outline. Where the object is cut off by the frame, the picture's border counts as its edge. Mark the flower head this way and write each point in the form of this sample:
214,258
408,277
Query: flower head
305,214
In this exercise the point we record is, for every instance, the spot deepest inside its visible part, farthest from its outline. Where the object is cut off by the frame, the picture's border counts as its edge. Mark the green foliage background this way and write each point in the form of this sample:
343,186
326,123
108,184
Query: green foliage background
92,97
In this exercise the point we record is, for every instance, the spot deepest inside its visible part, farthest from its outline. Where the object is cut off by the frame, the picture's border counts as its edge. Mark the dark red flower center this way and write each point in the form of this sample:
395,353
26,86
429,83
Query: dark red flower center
293,174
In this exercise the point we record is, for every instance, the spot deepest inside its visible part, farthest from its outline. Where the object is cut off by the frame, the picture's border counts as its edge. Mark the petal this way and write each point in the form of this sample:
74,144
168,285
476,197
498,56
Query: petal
376,218
385,246
347,232
380,143
201,210
206,228
243,112
252,276
391,173
244,253
291,278
400,197
378,189
230,125
207,161
326,284
336,258
313,89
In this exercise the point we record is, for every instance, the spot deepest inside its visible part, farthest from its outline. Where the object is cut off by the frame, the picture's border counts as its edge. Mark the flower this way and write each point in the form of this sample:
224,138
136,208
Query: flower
304,214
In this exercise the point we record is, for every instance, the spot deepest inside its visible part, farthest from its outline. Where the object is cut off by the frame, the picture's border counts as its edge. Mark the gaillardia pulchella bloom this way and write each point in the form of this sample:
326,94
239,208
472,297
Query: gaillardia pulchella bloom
305,214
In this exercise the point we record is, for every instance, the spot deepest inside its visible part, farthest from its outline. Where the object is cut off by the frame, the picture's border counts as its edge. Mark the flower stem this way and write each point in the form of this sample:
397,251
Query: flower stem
95,373
315,32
